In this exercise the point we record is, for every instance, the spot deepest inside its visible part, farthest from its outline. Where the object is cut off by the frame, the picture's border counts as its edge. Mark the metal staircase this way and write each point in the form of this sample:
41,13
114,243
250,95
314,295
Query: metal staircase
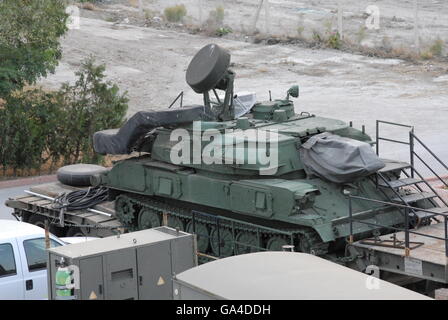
397,175
425,243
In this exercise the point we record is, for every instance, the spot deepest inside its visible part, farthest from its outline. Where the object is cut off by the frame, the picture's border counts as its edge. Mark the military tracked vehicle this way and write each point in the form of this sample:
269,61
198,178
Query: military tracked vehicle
243,176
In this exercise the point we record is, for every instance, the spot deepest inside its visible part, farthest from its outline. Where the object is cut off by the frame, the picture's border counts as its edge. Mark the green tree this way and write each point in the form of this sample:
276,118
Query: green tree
29,40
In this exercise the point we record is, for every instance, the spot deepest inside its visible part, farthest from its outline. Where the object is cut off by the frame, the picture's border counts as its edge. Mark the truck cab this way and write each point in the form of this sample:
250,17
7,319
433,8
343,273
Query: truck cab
23,269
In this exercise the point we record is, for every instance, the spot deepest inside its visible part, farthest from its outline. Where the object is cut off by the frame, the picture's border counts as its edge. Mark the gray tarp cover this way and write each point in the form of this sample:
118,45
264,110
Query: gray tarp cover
121,141
338,159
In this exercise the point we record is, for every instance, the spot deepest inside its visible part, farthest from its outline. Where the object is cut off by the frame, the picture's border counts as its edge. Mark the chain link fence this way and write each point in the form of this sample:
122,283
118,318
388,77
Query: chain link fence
417,27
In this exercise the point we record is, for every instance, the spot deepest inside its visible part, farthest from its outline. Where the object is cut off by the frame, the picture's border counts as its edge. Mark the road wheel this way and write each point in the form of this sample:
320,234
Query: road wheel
222,244
202,235
148,219
246,242
276,243
304,244
175,223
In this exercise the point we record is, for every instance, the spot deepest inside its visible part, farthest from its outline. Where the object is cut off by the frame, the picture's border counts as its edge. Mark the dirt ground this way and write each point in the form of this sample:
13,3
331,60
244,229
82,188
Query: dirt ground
150,64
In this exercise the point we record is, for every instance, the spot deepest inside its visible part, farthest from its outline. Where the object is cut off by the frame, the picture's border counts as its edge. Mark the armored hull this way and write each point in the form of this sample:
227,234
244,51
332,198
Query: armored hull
249,210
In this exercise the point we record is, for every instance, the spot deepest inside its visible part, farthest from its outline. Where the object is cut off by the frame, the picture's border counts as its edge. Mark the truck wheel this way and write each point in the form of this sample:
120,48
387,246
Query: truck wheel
39,221
75,232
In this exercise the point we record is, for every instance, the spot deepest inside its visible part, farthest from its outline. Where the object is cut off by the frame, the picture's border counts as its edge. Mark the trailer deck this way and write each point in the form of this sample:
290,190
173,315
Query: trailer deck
97,222
425,259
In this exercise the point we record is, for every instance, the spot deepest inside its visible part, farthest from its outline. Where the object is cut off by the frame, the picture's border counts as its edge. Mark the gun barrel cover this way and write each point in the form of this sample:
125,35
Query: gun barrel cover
121,141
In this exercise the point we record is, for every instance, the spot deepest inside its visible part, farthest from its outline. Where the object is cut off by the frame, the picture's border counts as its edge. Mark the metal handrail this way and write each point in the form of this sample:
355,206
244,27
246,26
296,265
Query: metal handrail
406,222
429,185
429,150
395,124
378,138
413,153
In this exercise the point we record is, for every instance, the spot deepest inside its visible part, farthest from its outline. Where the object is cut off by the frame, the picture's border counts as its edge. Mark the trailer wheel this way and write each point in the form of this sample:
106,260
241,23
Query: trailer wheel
75,232
39,221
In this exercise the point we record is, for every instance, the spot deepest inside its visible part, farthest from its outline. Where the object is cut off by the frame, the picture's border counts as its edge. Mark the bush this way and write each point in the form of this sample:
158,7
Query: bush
317,38
219,14
41,127
361,34
149,14
437,48
216,17
334,41
28,118
426,55
300,30
89,105
223,31
175,13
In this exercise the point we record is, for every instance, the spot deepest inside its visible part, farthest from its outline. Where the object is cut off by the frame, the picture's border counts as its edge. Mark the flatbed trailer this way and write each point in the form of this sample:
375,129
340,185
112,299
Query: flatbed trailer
417,254
38,203
423,255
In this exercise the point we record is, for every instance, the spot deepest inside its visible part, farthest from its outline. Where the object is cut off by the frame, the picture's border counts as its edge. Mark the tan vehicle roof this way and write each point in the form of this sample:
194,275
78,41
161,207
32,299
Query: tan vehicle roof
287,275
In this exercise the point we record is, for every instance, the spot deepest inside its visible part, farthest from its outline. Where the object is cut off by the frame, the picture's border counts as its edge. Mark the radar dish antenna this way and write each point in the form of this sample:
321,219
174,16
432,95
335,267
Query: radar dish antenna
209,71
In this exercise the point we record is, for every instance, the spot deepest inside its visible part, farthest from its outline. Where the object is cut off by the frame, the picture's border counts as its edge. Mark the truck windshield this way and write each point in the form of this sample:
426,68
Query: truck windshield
36,253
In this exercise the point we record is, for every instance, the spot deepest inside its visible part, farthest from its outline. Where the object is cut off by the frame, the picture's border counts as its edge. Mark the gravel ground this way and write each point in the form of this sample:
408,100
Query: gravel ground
396,18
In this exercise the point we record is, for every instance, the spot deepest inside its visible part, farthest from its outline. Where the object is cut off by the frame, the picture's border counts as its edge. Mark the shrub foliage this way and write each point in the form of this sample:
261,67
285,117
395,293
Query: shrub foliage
175,13
40,127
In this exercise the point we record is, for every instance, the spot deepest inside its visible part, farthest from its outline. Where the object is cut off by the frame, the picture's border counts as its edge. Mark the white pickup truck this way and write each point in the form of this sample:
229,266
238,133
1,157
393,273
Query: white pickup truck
23,269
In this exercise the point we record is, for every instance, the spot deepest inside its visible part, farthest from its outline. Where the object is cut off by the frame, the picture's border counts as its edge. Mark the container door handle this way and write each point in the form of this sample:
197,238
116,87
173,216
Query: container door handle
140,280
100,289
